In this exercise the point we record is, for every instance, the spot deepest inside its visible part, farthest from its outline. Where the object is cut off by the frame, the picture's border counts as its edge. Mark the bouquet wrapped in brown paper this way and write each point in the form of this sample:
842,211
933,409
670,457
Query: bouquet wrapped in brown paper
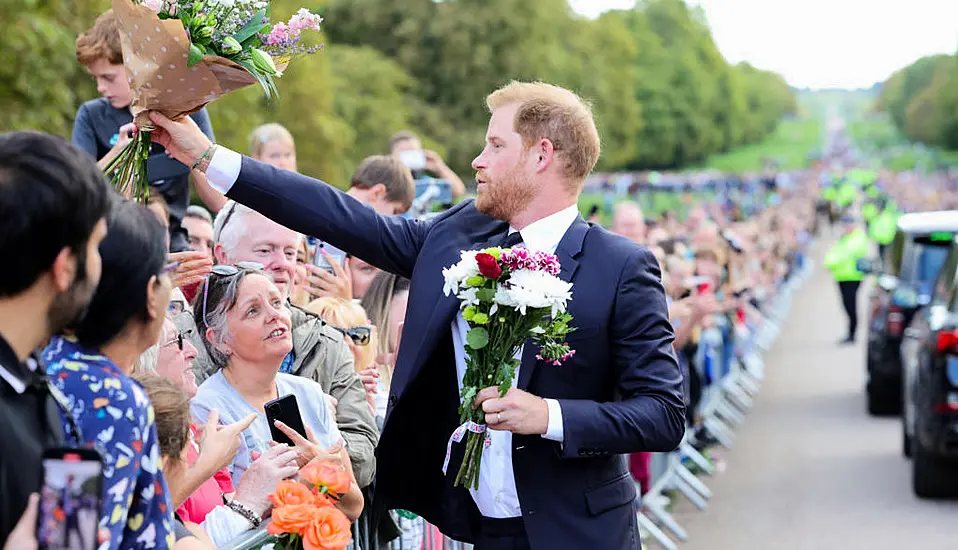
182,54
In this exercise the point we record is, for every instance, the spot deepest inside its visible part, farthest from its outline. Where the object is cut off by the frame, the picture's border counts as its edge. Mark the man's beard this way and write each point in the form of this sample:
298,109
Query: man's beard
504,199
69,308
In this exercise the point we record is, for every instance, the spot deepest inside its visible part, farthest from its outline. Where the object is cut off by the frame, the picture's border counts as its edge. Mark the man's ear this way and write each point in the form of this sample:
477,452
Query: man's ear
545,153
64,269
377,192
219,254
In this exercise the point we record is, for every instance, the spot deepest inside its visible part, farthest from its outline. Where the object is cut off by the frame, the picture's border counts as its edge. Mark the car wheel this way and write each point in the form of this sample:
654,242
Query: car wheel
906,442
883,400
932,477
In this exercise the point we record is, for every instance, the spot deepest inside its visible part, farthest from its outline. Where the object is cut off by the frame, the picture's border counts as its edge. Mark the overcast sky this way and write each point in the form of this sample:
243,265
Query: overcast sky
823,43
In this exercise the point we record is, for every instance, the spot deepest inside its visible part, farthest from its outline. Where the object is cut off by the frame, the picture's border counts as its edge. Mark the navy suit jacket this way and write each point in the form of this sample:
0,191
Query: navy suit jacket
621,392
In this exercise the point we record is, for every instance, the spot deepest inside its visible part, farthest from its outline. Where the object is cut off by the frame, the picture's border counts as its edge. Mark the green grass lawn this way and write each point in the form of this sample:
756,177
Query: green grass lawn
788,146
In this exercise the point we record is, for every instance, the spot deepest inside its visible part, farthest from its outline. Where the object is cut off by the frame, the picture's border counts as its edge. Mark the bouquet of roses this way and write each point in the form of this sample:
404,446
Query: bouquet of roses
304,516
182,54
507,296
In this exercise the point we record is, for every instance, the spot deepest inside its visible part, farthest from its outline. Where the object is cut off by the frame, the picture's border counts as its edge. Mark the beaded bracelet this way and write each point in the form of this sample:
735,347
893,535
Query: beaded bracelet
207,156
244,511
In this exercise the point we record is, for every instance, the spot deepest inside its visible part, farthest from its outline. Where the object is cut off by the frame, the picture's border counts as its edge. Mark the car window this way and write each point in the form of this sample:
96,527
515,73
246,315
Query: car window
893,257
926,262
945,283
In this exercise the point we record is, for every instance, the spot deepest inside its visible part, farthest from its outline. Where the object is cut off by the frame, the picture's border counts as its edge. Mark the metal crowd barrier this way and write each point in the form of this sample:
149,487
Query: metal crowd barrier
723,407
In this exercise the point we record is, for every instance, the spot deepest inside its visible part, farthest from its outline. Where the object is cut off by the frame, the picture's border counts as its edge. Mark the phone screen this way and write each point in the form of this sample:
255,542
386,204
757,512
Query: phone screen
319,260
286,410
70,500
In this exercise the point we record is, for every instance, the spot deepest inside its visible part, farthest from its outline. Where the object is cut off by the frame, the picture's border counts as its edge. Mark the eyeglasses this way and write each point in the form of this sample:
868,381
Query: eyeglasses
225,270
359,335
178,340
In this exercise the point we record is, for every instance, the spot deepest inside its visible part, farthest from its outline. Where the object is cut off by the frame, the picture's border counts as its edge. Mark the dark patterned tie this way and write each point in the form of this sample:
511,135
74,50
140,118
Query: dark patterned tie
511,240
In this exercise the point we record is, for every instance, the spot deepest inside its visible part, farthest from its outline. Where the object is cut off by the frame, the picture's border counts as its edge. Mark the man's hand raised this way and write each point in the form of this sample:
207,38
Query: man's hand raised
182,138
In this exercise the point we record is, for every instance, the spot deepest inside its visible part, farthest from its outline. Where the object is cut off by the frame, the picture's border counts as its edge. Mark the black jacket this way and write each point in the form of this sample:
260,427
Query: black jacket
29,423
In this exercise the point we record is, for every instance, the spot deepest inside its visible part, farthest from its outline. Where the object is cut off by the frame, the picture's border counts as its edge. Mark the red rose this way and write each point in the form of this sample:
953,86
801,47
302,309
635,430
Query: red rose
488,265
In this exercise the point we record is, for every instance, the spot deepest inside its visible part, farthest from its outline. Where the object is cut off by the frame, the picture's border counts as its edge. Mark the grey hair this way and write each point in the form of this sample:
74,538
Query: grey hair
214,328
147,361
198,212
150,358
234,216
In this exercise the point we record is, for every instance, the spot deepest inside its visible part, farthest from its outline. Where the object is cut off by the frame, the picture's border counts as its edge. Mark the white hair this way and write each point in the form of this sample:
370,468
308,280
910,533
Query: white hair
234,216
147,361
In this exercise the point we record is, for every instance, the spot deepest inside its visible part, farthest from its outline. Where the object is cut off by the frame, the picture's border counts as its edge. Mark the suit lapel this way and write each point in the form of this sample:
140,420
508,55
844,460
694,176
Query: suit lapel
447,306
569,249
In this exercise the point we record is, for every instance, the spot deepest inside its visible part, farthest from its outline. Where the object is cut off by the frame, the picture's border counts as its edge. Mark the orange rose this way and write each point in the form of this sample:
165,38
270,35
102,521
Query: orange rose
329,474
329,530
290,492
292,519
323,501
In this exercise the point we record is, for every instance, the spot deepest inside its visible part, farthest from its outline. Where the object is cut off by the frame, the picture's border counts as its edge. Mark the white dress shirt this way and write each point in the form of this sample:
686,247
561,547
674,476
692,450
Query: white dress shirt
497,496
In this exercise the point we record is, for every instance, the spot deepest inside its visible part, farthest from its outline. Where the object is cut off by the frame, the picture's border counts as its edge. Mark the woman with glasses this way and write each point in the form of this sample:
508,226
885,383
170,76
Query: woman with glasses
245,325
92,369
202,488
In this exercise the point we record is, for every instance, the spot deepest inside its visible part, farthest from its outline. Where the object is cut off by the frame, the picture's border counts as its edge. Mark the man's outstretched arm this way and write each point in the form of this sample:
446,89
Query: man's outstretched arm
299,202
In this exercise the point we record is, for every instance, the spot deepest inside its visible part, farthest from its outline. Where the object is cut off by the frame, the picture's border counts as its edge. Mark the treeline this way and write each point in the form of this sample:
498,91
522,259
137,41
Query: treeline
922,101
663,95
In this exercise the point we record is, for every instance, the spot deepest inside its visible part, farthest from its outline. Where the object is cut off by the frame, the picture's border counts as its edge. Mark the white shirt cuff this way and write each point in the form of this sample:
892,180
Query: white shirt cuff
554,430
224,169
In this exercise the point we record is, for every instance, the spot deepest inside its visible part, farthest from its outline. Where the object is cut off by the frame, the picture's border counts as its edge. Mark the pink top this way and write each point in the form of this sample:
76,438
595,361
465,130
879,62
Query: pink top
210,494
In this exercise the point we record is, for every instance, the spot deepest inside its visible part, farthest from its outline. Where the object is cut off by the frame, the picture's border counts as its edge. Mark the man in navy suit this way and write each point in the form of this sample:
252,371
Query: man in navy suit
556,473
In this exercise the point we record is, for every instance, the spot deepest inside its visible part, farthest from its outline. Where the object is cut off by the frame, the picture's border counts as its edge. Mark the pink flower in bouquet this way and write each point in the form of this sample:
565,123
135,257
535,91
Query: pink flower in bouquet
155,5
278,35
518,258
546,262
303,20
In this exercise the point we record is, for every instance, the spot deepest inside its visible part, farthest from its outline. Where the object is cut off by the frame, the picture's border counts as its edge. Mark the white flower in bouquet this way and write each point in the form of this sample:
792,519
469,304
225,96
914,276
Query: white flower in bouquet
455,276
536,290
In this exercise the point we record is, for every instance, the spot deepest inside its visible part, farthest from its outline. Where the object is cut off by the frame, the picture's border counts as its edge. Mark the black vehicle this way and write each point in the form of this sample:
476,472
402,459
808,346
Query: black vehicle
930,408
905,279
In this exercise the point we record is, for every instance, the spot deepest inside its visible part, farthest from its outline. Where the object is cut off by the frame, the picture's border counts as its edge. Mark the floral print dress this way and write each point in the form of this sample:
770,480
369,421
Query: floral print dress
115,416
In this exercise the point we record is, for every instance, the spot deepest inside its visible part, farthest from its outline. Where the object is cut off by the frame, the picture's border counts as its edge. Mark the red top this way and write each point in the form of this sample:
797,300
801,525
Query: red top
210,494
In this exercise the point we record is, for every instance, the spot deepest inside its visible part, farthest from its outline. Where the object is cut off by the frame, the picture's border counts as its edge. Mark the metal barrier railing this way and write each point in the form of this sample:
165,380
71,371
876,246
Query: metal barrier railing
726,401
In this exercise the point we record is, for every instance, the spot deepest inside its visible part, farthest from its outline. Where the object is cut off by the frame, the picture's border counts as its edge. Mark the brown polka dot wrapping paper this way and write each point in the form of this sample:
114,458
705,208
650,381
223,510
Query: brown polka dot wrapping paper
155,54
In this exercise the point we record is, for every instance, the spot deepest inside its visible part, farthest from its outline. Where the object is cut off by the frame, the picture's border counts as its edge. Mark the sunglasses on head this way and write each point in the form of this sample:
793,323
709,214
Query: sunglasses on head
225,271
178,339
359,335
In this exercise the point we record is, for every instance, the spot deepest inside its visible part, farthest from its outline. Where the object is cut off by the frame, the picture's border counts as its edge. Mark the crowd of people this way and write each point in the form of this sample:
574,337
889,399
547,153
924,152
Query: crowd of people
157,334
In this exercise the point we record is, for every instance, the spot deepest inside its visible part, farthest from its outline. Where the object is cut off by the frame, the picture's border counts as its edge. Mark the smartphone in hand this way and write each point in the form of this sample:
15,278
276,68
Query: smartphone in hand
319,260
286,410
70,502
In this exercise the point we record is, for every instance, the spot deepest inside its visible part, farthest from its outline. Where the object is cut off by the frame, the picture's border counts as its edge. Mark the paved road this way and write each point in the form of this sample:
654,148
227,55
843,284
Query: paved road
809,468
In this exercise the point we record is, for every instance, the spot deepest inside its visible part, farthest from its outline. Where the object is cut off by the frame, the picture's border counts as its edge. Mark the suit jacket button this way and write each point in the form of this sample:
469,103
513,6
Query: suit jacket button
392,400
583,452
